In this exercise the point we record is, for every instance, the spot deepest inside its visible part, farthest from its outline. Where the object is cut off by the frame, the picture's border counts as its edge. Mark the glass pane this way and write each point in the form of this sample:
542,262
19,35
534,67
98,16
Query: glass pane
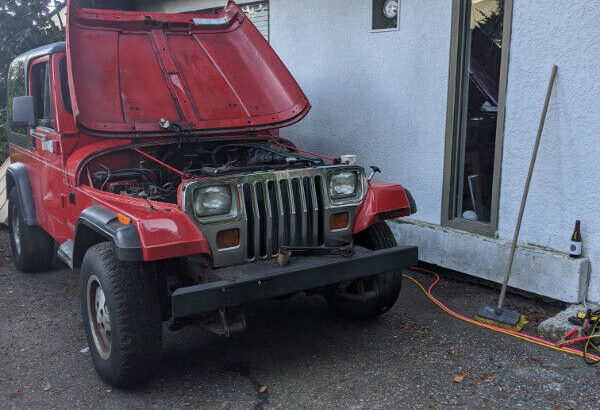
40,90
483,52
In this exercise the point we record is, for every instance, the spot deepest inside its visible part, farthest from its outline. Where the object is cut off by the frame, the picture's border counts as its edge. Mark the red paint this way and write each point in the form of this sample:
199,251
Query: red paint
155,65
383,201
126,73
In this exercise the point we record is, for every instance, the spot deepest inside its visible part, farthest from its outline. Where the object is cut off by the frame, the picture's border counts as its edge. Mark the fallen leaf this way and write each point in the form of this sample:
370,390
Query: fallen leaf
2,379
18,393
458,378
262,389
47,387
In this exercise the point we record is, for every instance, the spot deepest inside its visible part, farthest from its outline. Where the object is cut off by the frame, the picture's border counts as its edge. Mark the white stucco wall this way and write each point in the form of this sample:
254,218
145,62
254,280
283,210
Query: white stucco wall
381,96
565,184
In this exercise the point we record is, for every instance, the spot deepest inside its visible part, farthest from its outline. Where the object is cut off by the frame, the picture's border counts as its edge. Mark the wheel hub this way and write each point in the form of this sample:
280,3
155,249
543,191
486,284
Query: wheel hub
99,317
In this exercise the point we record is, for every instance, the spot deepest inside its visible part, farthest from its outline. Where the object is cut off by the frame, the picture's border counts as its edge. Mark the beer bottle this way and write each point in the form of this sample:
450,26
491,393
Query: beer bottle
575,250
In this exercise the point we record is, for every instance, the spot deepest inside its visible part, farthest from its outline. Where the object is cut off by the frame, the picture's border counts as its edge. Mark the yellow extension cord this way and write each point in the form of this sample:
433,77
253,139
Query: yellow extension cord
513,334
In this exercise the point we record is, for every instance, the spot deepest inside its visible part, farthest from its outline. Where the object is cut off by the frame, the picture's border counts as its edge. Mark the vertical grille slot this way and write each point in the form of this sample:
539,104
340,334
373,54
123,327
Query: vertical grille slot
311,232
287,211
250,215
274,216
299,210
262,218
321,210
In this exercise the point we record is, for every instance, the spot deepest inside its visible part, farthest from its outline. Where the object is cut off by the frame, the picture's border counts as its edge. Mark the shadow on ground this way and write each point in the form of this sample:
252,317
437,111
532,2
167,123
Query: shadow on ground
302,353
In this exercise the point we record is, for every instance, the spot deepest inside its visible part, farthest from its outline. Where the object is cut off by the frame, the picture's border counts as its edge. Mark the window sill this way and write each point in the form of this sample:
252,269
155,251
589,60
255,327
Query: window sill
384,30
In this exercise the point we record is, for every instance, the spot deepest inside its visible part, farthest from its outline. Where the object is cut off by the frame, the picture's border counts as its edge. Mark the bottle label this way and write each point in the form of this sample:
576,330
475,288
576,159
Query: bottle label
575,248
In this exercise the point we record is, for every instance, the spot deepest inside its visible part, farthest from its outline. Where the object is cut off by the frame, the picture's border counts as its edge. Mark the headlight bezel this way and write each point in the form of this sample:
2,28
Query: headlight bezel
359,191
193,190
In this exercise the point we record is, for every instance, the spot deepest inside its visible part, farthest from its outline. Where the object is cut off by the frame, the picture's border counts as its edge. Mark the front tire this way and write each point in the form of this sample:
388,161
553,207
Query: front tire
32,248
121,316
369,297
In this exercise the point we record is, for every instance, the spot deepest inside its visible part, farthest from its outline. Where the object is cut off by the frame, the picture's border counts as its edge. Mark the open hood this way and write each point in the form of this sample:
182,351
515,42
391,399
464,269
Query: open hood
209,74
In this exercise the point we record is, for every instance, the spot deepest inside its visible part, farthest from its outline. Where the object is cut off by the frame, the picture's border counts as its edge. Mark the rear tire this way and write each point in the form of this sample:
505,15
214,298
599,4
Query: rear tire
121,316
32,248
345,299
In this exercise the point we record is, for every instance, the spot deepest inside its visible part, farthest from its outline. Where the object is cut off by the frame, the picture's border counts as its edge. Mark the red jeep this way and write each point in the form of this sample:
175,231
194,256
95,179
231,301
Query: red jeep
147,147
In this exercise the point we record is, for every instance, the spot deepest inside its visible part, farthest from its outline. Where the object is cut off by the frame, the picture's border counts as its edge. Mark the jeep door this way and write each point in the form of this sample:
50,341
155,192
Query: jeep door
48,180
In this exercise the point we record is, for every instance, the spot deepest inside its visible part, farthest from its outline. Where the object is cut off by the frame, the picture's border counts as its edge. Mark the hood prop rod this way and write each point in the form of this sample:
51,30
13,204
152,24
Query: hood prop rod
182,174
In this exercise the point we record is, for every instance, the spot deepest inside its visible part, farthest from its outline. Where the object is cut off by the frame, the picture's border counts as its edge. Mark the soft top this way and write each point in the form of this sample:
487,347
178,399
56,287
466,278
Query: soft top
208,74
26,57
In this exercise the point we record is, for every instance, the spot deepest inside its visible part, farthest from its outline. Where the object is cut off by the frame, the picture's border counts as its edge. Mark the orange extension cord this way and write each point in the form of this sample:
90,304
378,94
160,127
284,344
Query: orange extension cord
512,333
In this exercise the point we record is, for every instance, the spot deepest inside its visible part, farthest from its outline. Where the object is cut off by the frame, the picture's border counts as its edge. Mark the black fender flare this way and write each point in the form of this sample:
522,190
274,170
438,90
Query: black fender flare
98,224
18,177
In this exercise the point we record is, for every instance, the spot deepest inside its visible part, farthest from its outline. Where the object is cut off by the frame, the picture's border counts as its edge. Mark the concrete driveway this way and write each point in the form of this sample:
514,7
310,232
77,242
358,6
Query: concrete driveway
306,357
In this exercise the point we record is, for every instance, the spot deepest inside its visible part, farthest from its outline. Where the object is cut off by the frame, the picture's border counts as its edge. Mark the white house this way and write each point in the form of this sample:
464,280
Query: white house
445,97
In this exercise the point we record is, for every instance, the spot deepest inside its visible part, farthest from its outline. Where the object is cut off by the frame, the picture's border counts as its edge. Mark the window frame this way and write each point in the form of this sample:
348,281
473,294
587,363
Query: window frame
386,29
16,135
32,64
456,124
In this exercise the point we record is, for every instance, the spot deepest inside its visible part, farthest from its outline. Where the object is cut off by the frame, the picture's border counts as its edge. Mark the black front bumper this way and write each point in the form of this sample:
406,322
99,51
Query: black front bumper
238,285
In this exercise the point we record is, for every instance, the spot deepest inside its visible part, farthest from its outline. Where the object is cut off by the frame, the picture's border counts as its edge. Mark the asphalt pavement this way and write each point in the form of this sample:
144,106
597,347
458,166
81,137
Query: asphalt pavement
414,356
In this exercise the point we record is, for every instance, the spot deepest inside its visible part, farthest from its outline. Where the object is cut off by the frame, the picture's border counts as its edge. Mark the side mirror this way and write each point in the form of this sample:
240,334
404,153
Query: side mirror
23,112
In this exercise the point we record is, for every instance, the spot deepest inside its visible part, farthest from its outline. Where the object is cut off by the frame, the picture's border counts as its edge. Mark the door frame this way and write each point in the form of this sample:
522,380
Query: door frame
455,125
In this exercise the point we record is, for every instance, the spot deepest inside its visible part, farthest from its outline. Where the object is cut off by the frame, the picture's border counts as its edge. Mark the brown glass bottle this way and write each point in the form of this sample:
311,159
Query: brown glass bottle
575,250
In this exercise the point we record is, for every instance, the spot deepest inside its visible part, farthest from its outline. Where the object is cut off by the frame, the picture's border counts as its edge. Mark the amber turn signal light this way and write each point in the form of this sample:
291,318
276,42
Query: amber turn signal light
228,239
125,220
338,221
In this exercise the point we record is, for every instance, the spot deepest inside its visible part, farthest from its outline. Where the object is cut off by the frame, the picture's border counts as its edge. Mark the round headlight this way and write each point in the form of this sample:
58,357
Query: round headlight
343,184
390,8
212,200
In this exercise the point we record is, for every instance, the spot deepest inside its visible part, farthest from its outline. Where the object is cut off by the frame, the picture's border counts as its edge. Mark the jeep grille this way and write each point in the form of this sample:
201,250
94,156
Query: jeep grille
282,213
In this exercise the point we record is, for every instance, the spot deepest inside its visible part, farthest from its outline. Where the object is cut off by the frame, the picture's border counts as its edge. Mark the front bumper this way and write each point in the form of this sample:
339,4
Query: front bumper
238,285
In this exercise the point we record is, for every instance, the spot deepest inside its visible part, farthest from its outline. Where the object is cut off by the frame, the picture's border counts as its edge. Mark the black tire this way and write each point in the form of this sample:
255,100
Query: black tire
130,297
32,248
386,286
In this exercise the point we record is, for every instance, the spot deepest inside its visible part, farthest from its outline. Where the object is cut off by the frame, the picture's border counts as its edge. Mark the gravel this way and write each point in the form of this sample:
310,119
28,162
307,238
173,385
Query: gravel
413,356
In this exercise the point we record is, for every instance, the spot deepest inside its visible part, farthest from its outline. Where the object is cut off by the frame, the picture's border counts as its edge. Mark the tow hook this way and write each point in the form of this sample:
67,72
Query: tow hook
286,252
230,321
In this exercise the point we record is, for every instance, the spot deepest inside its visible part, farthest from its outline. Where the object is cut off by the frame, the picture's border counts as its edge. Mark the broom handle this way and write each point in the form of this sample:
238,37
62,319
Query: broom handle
526,190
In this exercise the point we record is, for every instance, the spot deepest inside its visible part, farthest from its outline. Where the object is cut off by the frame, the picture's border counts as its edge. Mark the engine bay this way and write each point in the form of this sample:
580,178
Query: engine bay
154,173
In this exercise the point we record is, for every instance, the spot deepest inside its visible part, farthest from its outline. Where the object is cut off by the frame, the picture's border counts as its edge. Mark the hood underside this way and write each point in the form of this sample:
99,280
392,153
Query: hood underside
208,74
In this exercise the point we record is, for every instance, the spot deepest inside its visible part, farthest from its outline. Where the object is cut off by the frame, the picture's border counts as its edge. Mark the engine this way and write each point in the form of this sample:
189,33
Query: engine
155,173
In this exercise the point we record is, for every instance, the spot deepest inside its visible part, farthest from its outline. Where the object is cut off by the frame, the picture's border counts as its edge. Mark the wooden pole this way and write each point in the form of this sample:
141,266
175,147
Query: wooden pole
526,190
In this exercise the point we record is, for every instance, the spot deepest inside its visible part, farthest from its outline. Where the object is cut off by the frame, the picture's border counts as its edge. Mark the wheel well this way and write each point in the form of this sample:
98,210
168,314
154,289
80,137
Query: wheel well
85,237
